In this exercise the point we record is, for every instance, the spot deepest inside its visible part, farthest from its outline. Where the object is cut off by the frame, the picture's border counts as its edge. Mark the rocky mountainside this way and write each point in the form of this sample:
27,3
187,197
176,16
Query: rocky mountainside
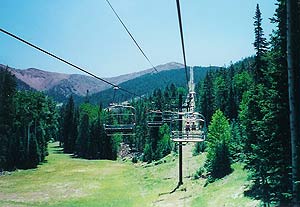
62,85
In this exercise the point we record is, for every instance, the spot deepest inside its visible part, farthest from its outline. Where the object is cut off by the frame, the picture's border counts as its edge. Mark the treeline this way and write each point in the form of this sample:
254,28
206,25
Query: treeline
253,95
82,132
223,89
28,121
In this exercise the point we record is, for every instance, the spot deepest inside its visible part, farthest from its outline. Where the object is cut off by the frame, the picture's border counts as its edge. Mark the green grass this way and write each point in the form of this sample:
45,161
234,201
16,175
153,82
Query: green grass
65,181
227,191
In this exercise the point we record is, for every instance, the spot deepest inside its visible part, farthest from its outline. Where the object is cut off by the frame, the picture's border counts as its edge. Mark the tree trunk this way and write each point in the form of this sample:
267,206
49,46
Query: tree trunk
293,61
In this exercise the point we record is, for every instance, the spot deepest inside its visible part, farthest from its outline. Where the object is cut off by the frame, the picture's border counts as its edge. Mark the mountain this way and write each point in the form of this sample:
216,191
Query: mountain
146,84
61,85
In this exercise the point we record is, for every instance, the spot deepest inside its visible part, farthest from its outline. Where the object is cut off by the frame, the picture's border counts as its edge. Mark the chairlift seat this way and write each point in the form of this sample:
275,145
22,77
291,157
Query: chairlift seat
181,136
118,112
154,118
155,124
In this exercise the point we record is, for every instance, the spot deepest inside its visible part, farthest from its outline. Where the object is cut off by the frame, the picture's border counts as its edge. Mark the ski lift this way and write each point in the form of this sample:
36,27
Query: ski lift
193,128
121,120
154,118
167,116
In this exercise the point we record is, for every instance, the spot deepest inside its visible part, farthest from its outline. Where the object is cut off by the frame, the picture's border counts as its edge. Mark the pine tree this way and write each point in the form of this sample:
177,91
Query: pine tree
260,46
7,114
261,123
164,146
35,124
264,117
220,164
220,93
94,143
231,105
236,146
115,146
207,99
69,126
218,156
82,142
242,82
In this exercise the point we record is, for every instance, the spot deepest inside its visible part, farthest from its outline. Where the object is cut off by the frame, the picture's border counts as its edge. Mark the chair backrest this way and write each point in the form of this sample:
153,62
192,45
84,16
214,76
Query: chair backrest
122,119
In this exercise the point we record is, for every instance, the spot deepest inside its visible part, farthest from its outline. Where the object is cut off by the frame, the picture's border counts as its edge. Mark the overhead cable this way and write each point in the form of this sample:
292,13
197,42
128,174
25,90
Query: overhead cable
182,40
131,36
66,62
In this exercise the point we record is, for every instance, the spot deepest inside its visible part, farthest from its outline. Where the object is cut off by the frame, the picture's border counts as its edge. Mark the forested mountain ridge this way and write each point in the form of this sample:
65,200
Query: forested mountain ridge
146,84
60,86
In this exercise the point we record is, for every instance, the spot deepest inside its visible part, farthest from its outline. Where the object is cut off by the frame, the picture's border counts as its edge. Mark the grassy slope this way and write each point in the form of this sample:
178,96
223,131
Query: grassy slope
226,192
63,181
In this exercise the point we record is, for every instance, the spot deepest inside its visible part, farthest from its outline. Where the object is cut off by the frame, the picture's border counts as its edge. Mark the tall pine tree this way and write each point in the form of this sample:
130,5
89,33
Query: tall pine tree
7,114
260,46
70,127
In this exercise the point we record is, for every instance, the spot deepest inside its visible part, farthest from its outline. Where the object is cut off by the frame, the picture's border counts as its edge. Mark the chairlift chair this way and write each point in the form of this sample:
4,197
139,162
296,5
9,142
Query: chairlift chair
193,129
154,118
122,121
168,116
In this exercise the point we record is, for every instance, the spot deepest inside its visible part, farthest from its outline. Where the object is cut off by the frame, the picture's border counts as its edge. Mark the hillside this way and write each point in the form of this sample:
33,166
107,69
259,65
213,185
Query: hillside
60,85
65,181
146,84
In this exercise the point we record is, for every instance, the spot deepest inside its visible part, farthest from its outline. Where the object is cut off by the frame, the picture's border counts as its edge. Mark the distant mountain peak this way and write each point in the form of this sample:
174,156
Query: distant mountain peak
169,66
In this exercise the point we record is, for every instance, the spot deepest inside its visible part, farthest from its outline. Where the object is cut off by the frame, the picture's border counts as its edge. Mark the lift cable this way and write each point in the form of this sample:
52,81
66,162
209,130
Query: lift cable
67,62
131,36
182,41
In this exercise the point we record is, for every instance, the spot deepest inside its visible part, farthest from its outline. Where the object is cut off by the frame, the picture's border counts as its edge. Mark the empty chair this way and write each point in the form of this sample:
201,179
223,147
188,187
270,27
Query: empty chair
121,119
154,118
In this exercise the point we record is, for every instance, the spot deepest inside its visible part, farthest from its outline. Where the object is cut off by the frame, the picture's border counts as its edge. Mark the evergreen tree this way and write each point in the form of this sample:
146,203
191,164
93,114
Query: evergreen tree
70,127
115,146
95,140
35,125
7,114
207,100
220,163
232,107
260,46
242,82
237,142
28,120
152,142
164,146
220,93
147,157
218,156
264,117
83,139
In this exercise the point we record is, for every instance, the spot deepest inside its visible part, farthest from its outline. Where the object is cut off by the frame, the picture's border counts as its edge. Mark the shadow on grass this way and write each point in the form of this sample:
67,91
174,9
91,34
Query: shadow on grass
173,191
257,193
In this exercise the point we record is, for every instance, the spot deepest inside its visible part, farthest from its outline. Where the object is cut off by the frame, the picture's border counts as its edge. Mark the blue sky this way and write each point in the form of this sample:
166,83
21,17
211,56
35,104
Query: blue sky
87,33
